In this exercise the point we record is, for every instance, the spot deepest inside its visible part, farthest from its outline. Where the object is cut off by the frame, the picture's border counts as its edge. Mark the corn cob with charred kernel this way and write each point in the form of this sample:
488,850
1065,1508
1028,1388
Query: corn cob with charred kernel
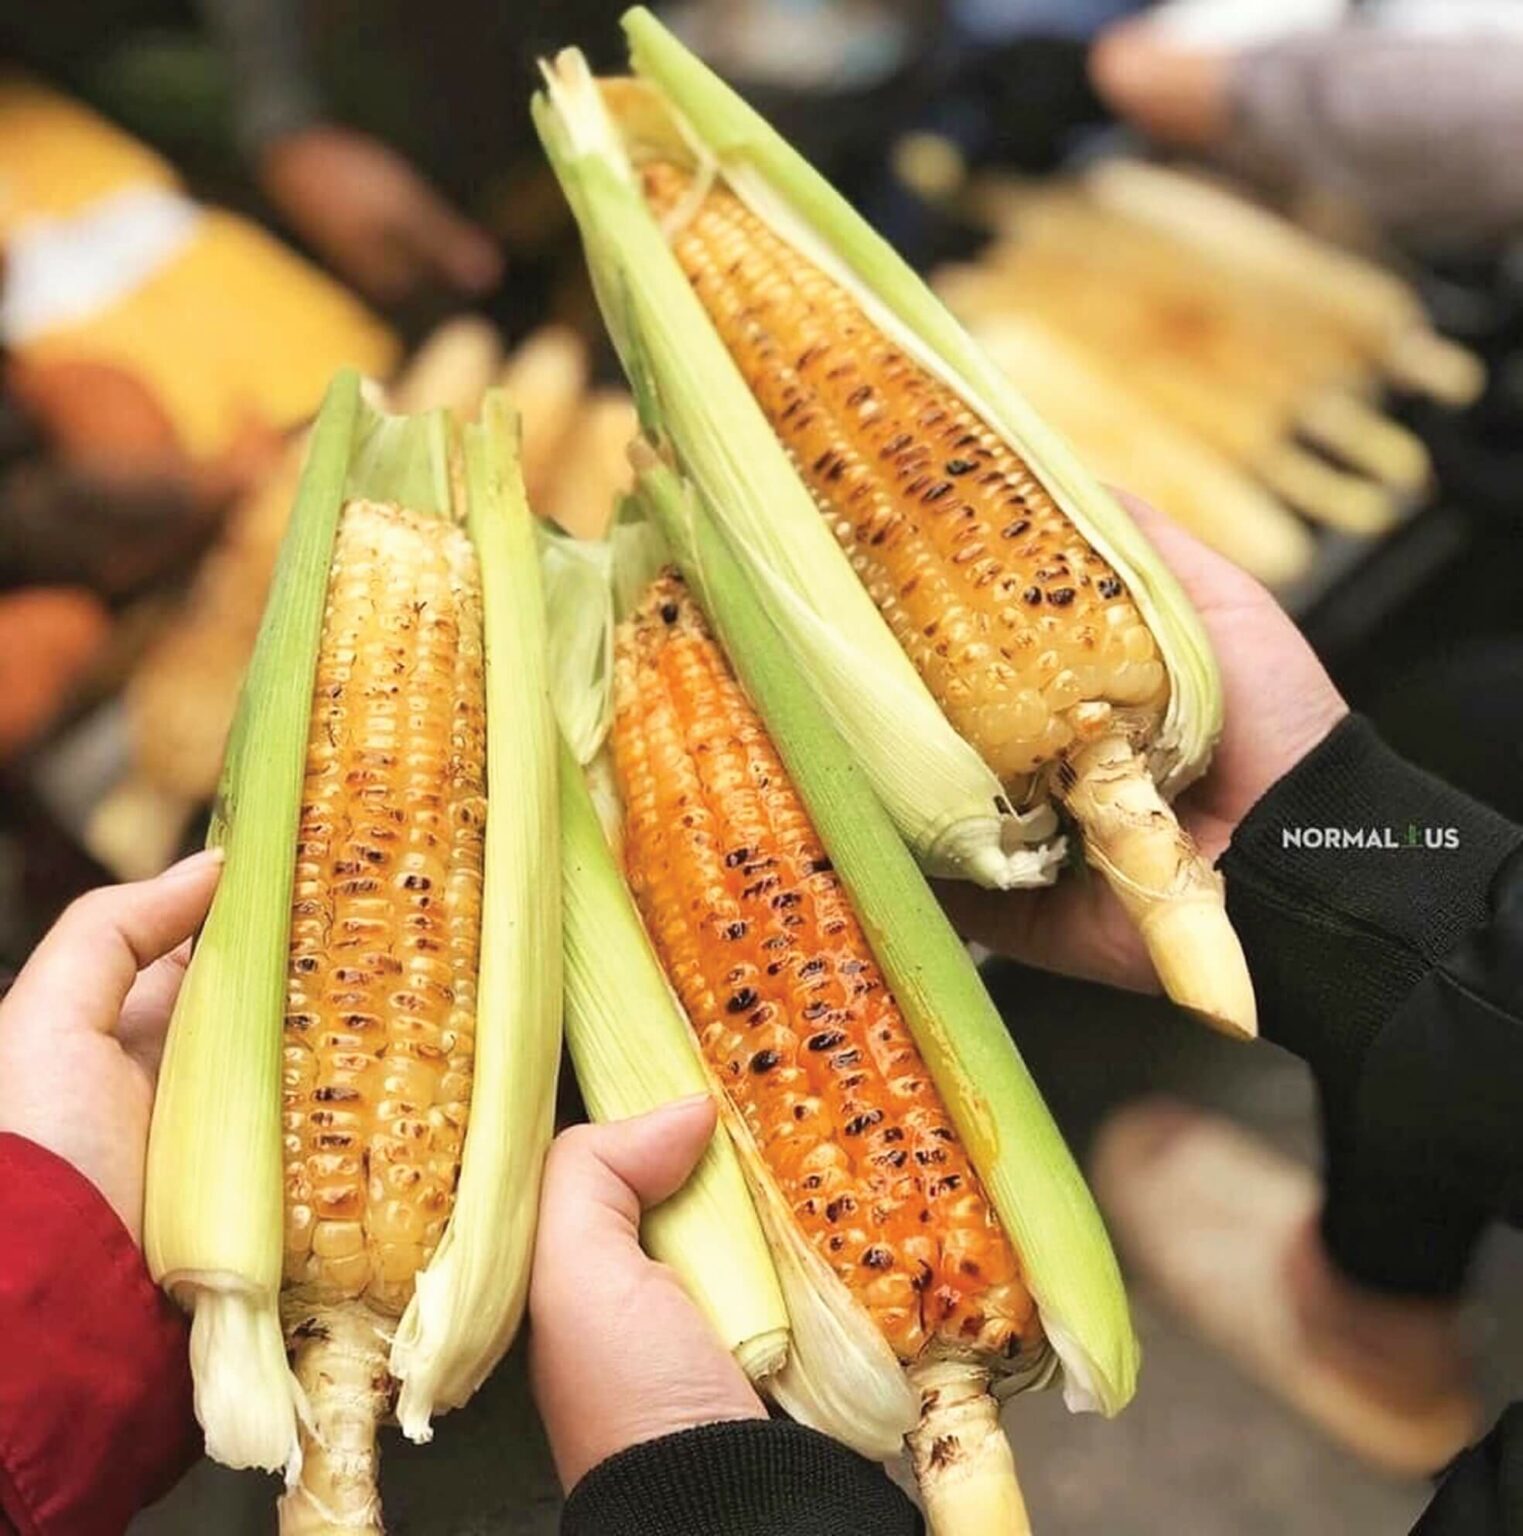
760,941
358,1083
385,927
1026,636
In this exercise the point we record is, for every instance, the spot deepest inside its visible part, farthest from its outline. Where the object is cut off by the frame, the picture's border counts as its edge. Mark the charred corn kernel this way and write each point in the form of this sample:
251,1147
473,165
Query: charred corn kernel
381,988
386,911
1009,615
760,941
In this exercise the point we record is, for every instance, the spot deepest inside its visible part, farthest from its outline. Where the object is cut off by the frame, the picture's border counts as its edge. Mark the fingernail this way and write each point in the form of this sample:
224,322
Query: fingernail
194,864
677,1105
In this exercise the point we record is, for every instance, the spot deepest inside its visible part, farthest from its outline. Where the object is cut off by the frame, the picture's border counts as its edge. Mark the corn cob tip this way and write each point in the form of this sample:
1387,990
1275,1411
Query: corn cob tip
1174,897
379,1039
962,1459
339,1357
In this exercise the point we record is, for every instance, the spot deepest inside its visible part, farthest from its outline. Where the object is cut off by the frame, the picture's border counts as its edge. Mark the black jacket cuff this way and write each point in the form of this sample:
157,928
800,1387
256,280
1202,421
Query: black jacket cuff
754,1477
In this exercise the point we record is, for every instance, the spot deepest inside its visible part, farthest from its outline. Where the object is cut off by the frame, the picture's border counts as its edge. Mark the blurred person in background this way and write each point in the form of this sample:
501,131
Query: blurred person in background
1419,130
366,129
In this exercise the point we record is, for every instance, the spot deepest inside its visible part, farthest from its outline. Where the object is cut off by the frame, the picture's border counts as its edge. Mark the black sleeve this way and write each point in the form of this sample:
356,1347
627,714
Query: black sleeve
757,1477
1482,1494
1382,914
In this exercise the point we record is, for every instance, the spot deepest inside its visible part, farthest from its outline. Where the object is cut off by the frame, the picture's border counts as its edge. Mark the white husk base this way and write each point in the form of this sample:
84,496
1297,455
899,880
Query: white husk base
247,1401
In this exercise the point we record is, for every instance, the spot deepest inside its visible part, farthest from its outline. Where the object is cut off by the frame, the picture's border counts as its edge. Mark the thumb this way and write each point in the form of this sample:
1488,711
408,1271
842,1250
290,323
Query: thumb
81,973
600,1177
625,1166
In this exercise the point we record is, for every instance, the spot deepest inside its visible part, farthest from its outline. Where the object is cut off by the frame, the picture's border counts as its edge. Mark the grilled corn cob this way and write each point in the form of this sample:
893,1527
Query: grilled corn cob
590,478
788,1003
381,995
797,367
1027,637
1309,373
774,886
1120,329
758,936
1374,308
452,369
358,1083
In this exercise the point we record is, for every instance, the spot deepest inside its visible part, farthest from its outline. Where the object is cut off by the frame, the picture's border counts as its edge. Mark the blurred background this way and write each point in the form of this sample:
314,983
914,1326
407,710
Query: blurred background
1262,264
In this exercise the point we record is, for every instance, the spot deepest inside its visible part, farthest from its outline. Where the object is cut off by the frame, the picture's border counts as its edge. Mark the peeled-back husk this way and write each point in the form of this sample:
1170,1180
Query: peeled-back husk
998,1111
946,801
1020,1155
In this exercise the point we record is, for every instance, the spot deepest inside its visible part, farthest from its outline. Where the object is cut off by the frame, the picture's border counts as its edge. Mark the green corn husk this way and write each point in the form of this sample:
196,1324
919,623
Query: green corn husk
470,1300
1026,1167
1037,1190
213,1228
945,801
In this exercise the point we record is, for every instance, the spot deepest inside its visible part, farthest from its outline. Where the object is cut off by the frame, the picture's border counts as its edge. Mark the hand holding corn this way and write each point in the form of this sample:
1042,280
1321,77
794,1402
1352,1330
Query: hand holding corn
619,1353
1279,704
82,1028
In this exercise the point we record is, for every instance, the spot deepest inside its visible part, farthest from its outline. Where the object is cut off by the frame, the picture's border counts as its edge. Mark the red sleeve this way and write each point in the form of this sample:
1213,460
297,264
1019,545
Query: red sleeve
95,1395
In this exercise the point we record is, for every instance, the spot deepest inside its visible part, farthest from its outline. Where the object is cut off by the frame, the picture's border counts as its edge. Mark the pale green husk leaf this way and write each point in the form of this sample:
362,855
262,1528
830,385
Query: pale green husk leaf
633,1051
469,1301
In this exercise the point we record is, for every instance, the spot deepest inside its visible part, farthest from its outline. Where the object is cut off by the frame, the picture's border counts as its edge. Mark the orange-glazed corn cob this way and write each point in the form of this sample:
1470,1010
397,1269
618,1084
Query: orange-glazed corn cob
1027,638
758,936
381,995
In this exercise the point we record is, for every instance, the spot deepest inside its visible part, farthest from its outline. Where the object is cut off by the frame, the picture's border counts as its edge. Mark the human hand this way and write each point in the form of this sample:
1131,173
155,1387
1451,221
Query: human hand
83,1027
618,1353
1279,703
1171,91
368,212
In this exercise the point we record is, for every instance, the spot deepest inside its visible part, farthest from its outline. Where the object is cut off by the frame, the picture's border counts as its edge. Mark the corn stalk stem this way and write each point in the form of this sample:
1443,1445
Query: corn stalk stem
339,1356
962,1459
1176,900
